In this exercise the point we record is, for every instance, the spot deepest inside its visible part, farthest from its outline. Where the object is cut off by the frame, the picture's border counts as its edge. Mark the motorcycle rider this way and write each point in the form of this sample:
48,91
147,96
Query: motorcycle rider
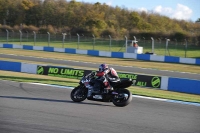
110,74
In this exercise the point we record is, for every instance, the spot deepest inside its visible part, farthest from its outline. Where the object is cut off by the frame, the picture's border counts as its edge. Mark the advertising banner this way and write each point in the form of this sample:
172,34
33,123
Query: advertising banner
141,80
61,72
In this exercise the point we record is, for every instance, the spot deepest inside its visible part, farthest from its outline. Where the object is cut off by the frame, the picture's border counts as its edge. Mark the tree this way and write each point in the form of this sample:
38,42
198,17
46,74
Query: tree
4,10
89,18
198,20
134,19
27,4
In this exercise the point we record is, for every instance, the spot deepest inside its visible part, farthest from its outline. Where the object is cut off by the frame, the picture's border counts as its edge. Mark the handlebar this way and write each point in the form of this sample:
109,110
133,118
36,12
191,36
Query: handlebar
90,75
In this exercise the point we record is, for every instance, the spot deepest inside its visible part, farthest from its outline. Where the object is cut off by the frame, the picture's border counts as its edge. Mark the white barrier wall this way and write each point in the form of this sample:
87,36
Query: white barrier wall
104,53
18,46
187,60
29,68
41,48
59,50
164,83
157,58
80,51
130,55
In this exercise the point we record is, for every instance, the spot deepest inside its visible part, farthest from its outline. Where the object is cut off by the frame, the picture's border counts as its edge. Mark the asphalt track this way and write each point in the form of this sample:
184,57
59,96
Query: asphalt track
135,70
29,108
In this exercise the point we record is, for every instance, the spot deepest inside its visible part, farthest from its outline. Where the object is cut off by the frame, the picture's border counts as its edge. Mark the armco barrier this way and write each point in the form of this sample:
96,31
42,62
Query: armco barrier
167,83
146,57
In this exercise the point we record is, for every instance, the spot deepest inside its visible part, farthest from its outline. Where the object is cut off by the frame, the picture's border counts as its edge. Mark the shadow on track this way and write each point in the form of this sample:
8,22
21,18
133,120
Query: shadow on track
50,100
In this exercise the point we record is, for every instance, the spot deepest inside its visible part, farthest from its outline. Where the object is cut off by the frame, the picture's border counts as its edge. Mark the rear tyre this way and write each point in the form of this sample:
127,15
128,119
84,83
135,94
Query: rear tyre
78,94
123,98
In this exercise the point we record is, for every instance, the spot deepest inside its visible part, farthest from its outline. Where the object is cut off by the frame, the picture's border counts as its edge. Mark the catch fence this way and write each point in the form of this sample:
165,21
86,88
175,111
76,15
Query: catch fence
167,47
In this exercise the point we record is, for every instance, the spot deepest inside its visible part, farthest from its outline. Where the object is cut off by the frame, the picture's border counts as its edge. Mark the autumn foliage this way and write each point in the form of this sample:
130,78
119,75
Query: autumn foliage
90,18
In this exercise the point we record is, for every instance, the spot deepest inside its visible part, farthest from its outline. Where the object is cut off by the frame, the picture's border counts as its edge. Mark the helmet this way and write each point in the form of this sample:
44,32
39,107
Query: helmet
103,67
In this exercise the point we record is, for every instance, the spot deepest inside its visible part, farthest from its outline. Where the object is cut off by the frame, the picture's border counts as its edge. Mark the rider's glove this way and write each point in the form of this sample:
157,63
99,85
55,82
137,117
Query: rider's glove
93,73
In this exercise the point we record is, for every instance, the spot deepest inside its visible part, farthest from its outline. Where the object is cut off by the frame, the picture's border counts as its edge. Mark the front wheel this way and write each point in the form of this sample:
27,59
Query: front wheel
123,98
78,94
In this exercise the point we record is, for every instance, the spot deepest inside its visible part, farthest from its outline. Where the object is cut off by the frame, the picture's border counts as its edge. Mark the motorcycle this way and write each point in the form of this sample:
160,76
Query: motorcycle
89,88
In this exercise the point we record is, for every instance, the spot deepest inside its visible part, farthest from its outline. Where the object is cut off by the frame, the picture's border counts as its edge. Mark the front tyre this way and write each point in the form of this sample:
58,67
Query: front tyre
78,94
123,98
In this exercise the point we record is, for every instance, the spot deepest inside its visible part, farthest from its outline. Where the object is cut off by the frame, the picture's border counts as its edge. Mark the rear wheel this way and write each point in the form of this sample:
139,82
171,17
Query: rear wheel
78,94
123,98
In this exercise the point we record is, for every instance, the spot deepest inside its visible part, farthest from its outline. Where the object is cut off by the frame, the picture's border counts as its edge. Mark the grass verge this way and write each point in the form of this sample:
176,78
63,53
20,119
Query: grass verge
115,61
24,77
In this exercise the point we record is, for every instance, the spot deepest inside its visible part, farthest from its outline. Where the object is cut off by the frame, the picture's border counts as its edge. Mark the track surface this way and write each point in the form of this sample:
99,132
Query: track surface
28,108
93,65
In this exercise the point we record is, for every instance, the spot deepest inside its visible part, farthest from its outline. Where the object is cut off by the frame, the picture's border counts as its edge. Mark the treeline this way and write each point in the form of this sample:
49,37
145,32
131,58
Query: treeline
58,16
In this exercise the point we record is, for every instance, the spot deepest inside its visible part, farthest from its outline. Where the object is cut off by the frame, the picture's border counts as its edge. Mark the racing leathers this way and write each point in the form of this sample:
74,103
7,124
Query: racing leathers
111,75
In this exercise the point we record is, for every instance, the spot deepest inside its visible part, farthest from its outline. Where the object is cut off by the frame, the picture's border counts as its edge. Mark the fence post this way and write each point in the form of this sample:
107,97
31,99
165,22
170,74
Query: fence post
134,38
110,42
152,49
93,41
159,40
175,46
166,49
144,41
48,38
78,41
34,37
83,37
126,43
13,35
160,43
186,48
70,37
20,36
27,35
7,35
64,34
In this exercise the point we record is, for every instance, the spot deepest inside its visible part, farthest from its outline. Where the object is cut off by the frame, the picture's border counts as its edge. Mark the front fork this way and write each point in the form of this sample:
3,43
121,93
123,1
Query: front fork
81,89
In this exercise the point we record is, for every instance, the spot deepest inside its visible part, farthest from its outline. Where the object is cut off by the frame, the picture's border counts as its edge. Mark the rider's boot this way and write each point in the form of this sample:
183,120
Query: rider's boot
108,88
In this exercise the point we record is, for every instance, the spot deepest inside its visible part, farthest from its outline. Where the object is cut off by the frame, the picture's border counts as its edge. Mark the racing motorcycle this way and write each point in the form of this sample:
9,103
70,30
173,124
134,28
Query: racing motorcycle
92,88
